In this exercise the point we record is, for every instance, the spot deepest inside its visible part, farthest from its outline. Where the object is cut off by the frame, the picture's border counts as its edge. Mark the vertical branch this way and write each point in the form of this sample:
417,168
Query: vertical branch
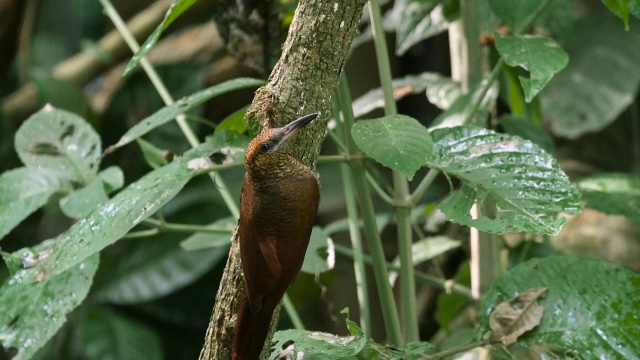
401,196
302,82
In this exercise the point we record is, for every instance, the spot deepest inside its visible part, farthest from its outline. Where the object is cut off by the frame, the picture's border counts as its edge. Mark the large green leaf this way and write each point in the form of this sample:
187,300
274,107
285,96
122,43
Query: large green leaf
540,55
177,8
170,112
32,313
156,268
108,335
397,141
527,185
23,191
60,141
591,306
113,219
612,193
600,81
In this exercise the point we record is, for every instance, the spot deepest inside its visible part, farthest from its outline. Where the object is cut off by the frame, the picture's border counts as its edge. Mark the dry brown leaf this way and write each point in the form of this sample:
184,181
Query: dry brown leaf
513,318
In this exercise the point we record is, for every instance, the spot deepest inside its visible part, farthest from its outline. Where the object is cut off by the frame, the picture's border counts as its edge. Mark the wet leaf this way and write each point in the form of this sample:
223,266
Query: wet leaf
60,141
526,183
32,313
578,314
113,219
514,317
397,141
81,202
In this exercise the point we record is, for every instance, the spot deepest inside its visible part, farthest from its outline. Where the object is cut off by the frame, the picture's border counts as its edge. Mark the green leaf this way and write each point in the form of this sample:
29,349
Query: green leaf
418,20
112,220
540,55
450,304
177,8
578,315
425,250
81,202
60,141
314,262
153,155
318,345
398,141
599,83
527,185
620,8
460,111
527,129
201,240
443,92
108,335
23,191
612,193
112,178
153,269
556,16
408,85
234,122
32,313
170,112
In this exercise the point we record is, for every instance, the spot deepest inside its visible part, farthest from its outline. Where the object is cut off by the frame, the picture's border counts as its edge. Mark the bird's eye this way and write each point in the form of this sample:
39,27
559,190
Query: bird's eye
265,147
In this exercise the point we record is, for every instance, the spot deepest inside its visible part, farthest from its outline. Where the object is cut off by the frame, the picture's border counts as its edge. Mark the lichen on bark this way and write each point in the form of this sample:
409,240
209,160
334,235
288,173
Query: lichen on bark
302,82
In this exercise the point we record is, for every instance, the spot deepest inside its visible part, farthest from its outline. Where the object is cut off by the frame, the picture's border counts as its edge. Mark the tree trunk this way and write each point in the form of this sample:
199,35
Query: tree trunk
302,82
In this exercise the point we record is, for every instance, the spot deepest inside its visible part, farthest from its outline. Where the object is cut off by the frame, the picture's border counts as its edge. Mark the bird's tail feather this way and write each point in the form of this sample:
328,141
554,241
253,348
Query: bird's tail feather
251,330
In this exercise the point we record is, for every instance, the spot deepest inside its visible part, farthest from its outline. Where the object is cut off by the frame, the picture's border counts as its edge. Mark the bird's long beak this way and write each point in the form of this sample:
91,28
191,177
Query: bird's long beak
293,127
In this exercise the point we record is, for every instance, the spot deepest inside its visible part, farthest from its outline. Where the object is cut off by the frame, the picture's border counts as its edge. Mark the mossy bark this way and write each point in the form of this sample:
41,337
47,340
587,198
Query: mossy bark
302,82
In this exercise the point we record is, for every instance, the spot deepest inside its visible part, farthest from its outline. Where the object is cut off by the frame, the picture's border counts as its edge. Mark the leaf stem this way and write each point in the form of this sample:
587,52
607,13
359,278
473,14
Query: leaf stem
449,286
190,228
457,350
292,312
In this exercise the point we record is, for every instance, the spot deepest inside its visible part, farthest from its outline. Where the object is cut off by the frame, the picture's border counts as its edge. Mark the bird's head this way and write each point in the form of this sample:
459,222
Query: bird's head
266,149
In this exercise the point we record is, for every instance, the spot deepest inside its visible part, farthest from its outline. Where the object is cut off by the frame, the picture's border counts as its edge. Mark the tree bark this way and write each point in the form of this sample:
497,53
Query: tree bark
302,82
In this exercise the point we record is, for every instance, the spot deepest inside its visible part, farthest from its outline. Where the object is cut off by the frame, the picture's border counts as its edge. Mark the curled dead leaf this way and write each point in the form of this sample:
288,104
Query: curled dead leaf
514,317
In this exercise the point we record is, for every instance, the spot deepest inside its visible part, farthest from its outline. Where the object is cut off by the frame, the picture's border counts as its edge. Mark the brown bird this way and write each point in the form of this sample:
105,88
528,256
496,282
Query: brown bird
279,202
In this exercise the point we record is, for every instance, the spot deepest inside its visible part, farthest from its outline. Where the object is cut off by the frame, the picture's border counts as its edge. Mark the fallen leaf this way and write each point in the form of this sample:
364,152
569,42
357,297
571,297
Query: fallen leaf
513,318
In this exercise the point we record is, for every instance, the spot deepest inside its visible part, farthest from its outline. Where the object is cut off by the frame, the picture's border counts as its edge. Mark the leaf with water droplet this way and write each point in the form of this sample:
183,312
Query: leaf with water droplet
60,141
524,185
32,313
591,306
110,221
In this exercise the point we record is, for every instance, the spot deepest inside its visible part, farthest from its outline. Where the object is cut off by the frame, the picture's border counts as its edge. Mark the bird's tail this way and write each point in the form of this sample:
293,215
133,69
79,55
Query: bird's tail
251,330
